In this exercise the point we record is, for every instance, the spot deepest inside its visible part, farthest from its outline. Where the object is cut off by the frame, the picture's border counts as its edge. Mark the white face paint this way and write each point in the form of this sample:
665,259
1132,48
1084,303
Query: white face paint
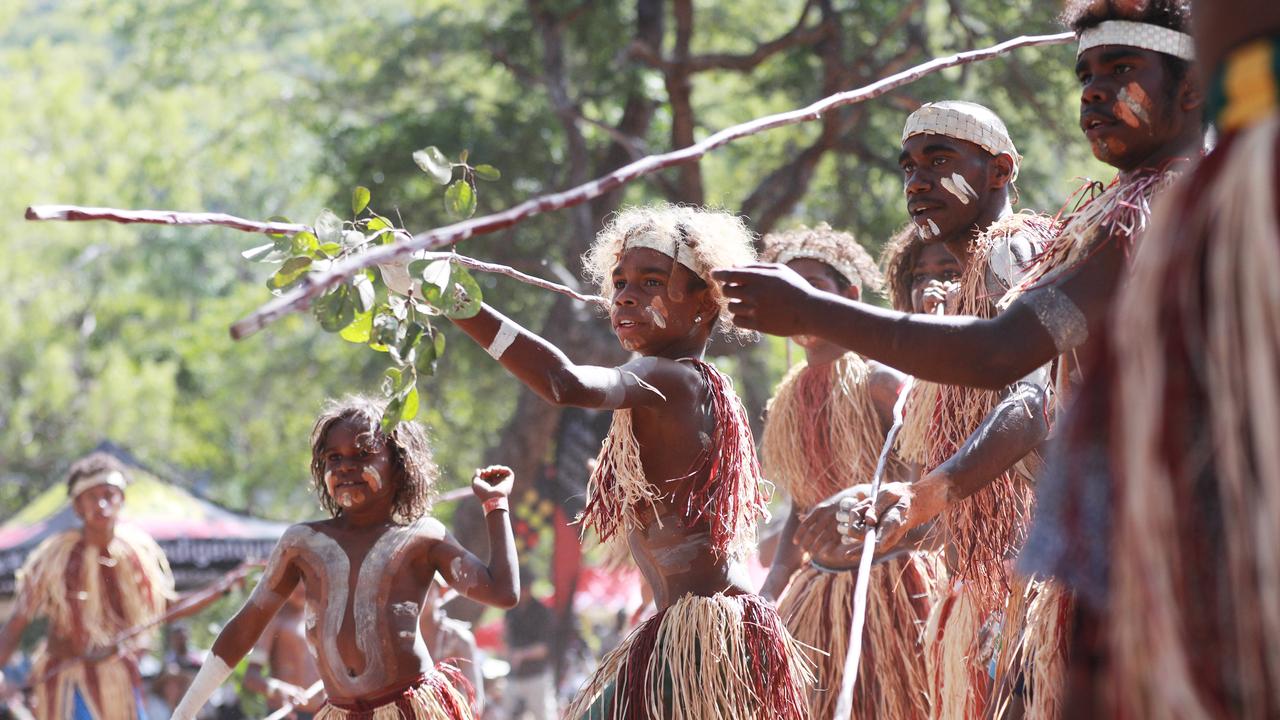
373,477
933,226
658,311
958,186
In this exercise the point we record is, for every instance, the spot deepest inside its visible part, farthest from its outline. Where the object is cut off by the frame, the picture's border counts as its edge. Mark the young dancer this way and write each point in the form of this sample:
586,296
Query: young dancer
366,569
677,477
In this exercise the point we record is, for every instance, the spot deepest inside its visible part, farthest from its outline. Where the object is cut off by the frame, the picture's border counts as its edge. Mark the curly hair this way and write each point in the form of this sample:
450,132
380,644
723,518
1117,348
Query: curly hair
407,443
1080,15
715,238
92,464
1083,14
899,261
839,250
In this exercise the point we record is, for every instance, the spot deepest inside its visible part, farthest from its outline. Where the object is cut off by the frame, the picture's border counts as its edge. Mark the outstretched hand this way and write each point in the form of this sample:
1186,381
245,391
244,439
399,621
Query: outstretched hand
493,482
770,298
834,529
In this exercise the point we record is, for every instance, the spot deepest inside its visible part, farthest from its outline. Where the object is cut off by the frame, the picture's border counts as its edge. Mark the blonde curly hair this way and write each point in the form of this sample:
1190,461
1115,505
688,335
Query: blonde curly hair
839,250
713,239
407,443
899,262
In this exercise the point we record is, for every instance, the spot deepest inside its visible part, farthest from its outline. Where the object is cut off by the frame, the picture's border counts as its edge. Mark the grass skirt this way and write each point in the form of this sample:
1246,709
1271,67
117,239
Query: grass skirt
703,658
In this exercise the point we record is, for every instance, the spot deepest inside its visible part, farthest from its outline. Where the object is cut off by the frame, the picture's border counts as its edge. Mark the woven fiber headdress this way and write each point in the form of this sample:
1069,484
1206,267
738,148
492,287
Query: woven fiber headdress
1140,35
966,121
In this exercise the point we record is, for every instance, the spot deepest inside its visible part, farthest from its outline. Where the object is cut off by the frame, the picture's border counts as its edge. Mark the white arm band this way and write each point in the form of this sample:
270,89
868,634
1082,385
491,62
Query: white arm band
212,674
502,340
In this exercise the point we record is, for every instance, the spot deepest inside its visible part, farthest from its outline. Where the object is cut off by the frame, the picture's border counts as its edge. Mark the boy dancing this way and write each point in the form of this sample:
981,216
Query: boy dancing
365,571
677,477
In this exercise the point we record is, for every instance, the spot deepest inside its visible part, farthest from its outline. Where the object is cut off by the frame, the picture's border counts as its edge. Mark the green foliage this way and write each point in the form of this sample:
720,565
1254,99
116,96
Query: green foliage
120,332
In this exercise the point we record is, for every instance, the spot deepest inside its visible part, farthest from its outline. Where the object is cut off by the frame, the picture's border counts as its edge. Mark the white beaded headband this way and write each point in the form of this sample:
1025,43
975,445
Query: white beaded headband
847,271
673,247
1139,35
964,121
112,477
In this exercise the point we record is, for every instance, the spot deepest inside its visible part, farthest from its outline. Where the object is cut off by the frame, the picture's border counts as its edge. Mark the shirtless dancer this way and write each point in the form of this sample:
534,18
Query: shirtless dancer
677,475
281,666
366,570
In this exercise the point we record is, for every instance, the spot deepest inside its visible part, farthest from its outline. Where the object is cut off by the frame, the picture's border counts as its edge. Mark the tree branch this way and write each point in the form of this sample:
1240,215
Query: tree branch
798,35
316,284
160,217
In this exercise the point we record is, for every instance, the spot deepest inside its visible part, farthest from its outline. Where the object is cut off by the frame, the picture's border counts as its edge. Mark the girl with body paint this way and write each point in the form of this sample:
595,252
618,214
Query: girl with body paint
366,570
677,477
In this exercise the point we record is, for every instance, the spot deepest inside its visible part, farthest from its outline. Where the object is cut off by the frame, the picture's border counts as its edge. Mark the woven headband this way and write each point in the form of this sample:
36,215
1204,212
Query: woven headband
847,271
963,121
667,245
1140,35
111,477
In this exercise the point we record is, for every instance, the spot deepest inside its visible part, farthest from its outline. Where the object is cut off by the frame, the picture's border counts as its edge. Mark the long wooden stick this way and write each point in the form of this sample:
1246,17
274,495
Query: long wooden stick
316,284
76,213
853,657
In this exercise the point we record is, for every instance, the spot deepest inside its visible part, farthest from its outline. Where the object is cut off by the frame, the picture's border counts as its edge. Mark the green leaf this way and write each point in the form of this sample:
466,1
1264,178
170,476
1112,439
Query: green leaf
463,297
359,330
364,292
303,243
391,416
292,269
460,199
438,341
435,282
462,156
409,410
396,381
328,227
413,333
335,310
264,253
434,163
359,199
384,330
487,172
330,250
375,224
354,238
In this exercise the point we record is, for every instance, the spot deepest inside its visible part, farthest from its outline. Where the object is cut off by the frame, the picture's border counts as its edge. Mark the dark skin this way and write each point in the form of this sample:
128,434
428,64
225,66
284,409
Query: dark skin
98,509
883,384
669,402
992,353
1015,427
291,665
929,164
367,507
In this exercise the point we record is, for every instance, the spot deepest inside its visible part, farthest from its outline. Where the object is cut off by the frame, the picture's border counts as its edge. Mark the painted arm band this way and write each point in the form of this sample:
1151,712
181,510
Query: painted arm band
507,334
1059,316
613,383
495,503
212,674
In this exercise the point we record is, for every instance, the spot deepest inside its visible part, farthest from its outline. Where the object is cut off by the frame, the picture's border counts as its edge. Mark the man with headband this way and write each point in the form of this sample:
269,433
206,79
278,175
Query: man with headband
958,164
94,584
1140,109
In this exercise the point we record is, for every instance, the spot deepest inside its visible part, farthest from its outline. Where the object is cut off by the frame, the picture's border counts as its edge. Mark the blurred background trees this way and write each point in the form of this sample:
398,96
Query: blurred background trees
279,107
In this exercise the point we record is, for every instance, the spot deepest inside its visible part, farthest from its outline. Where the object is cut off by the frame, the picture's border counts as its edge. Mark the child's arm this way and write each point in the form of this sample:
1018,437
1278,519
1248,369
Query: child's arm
548,372
786,559
498,581
238,637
